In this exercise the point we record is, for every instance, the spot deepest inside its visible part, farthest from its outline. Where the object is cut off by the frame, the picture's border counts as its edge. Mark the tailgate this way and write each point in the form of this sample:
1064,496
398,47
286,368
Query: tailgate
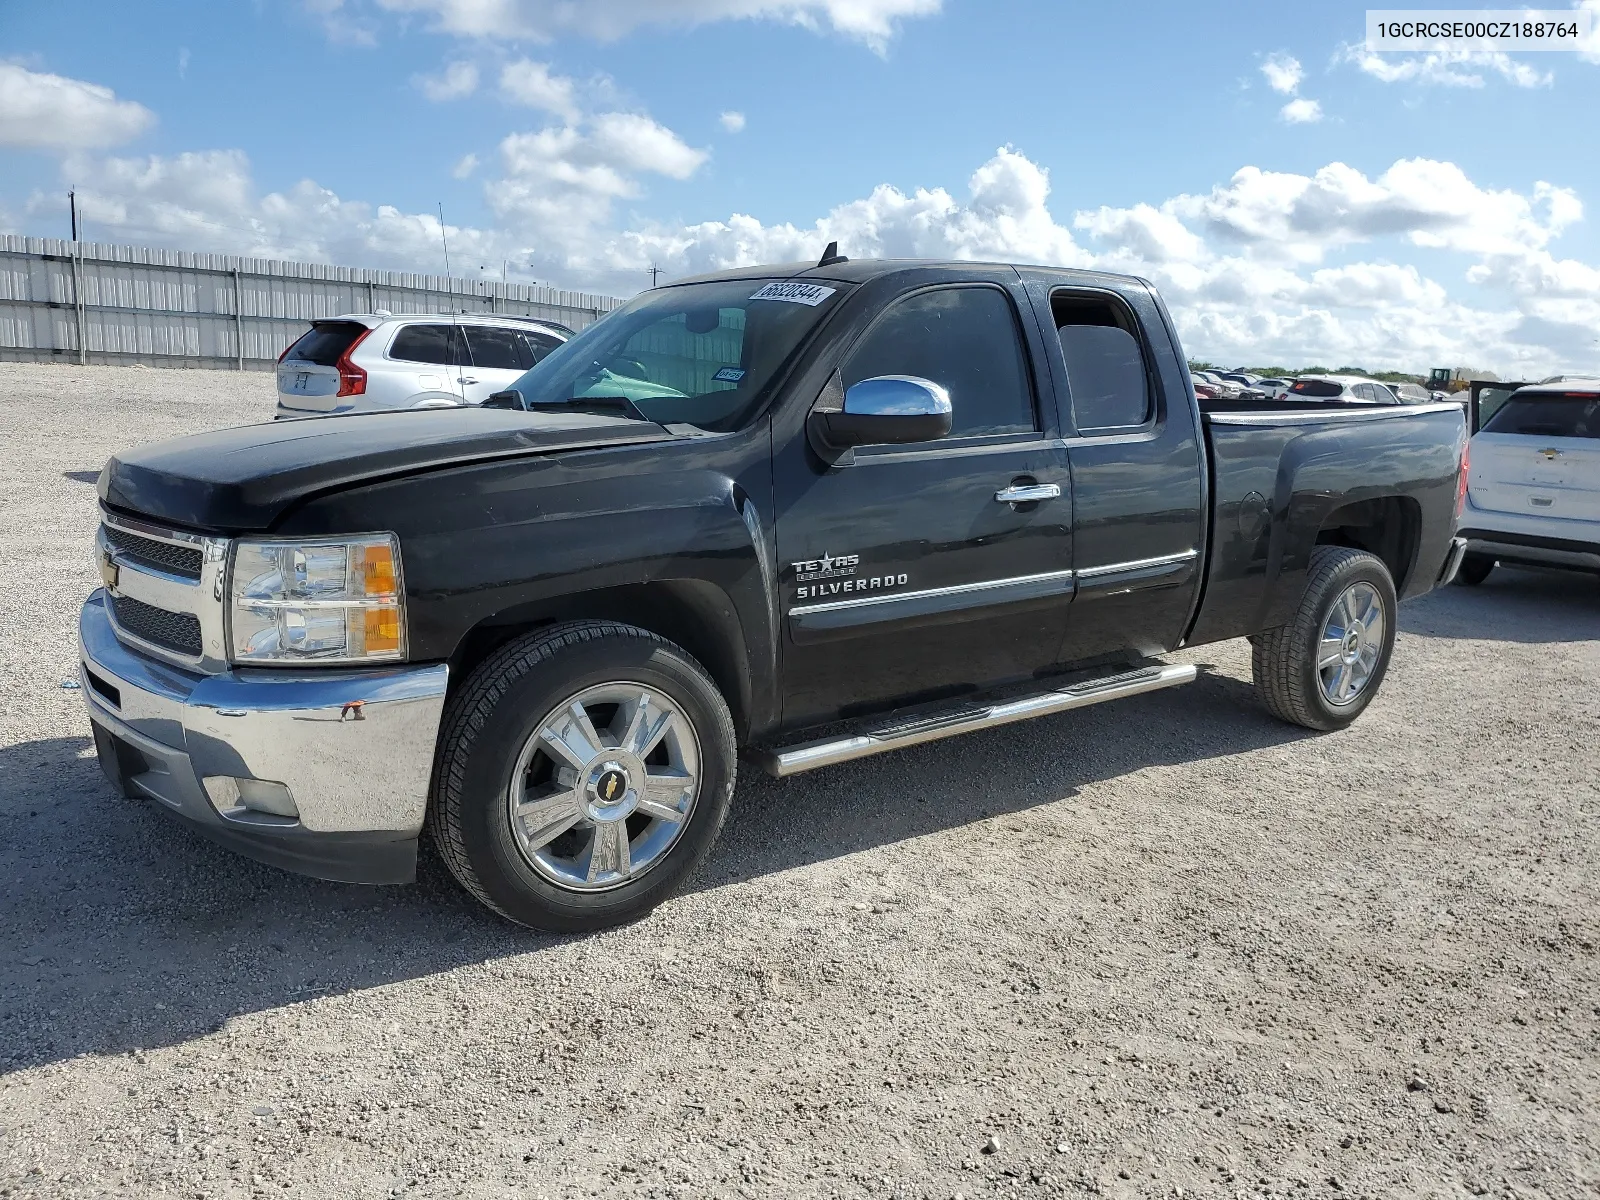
1542,477
308,372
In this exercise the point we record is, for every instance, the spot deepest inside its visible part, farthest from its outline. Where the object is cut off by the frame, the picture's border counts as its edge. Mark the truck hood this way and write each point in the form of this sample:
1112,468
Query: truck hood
244,479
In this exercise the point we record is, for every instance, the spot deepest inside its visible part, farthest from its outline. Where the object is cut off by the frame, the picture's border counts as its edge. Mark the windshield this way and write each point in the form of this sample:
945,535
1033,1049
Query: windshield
698,354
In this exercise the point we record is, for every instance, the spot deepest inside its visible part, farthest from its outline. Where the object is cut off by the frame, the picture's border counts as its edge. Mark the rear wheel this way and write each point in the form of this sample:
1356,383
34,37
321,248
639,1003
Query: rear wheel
1474,569
1323,668
584,772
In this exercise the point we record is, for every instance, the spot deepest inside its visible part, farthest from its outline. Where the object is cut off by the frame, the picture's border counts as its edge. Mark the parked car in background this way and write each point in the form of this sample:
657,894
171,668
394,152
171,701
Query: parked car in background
1410,393
1533,486
1570,378
1226,389
1274,389
1341,389
1204,389
362,362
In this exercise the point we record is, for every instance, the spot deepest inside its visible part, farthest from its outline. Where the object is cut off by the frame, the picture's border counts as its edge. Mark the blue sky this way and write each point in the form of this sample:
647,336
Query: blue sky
1155,137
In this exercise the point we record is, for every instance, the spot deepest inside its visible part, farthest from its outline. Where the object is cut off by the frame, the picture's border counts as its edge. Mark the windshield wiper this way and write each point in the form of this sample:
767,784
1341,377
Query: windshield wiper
598,405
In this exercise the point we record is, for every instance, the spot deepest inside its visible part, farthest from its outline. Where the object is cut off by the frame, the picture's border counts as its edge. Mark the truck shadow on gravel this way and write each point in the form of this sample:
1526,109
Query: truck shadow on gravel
1531,606
125,930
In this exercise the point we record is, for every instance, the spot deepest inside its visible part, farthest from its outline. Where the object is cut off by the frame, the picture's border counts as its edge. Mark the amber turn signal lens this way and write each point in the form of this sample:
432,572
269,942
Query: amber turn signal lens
378,570
382,629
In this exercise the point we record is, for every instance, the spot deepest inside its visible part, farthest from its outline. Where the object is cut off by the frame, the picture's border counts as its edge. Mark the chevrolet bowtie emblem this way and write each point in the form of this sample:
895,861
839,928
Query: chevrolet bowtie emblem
108,571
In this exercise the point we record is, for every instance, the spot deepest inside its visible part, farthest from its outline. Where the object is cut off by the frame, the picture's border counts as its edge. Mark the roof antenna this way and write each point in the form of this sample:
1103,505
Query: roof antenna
831,255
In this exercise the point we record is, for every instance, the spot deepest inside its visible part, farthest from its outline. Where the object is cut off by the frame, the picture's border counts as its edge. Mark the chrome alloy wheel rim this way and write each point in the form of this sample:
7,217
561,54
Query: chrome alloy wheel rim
604,787
1352,640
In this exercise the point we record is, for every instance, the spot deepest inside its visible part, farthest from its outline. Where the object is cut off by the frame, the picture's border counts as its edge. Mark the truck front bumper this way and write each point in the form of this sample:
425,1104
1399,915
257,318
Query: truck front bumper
324,772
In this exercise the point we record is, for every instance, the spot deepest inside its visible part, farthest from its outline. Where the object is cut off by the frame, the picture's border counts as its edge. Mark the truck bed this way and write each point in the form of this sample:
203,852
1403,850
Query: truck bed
1281,482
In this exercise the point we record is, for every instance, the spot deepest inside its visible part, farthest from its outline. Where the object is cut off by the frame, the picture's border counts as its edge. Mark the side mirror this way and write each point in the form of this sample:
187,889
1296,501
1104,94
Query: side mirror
887,410
508,399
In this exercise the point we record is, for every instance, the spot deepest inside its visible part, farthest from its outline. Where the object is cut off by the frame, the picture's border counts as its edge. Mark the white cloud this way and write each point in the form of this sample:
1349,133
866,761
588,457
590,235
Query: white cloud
466,165
733,122
637,143
1301,112
1445,68
532,85
1265,267
340,23
458,79
871,21
563,181
1283,73
52,112
1589,50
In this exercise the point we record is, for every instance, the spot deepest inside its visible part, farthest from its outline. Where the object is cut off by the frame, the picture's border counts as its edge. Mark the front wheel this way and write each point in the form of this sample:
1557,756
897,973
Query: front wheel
584,771
1323,668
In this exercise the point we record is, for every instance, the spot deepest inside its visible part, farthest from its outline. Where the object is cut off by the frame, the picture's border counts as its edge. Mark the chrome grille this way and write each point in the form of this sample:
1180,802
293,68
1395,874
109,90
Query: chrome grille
179,560
175,631
164,590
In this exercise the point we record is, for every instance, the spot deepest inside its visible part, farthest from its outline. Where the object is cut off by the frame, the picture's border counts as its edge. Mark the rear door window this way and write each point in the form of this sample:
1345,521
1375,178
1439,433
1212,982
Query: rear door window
1106,373
438,345
497,348
963,338
538,344
1545,414
324,342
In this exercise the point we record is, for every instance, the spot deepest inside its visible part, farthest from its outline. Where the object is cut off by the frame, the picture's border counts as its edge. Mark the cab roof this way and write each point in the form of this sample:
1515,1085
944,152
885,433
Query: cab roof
864,270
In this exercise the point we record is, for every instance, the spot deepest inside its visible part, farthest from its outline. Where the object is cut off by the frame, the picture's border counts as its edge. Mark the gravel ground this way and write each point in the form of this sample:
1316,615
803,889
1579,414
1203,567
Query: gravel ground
1167,947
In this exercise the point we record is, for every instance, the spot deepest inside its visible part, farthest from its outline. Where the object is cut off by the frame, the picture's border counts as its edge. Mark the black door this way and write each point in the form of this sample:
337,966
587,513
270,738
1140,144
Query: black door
907,573
1138,476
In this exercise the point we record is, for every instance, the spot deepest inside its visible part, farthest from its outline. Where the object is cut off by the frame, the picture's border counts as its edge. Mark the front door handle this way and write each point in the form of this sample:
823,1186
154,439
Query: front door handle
1028,493
466,379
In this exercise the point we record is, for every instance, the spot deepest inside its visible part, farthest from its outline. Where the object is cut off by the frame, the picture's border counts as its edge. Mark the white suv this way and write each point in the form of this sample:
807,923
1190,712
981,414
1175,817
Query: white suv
367,361
1533,489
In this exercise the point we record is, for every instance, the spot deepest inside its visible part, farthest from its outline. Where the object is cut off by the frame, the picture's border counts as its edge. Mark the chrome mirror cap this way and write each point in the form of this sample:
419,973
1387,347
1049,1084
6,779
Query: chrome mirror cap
897,396
887,410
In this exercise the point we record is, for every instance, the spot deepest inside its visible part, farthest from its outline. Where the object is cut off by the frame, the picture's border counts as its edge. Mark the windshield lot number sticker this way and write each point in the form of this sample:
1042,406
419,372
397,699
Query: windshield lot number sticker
729,375
795,293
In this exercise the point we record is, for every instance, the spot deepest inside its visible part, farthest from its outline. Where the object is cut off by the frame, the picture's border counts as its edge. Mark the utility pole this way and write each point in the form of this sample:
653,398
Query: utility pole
72,204
654,272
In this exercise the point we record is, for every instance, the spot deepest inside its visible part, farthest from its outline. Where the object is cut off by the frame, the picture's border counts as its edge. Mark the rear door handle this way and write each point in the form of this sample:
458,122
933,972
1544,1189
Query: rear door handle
1028,493
466,379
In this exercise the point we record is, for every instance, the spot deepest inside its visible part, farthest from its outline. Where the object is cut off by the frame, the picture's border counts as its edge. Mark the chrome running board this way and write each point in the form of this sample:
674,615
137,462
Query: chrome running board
915,731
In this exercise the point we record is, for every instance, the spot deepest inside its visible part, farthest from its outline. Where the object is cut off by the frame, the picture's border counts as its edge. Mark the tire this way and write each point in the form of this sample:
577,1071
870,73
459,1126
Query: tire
1285,660
491,743
1474,569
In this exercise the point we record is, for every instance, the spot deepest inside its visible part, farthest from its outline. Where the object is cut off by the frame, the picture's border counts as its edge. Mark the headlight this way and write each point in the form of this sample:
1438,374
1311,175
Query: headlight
324,600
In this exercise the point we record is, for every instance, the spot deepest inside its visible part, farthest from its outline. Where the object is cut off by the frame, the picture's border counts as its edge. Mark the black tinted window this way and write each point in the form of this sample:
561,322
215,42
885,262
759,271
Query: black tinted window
538,344
1316,389
442,345
963,338
1105,374
1545,415
325,342
497,349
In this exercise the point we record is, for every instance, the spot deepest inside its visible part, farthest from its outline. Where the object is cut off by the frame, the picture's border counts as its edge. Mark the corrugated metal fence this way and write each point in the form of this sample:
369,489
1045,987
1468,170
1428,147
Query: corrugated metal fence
87,302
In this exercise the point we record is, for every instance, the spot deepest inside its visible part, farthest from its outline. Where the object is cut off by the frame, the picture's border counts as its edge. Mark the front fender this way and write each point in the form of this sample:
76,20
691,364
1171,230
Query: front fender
486,542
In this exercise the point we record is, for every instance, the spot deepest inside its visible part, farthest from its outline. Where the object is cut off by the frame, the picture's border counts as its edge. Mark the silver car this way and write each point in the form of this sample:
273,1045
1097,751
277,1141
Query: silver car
362,362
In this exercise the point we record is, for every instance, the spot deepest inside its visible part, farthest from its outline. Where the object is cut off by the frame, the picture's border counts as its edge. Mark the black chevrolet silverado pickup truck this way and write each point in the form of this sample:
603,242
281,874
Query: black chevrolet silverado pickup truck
806,513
